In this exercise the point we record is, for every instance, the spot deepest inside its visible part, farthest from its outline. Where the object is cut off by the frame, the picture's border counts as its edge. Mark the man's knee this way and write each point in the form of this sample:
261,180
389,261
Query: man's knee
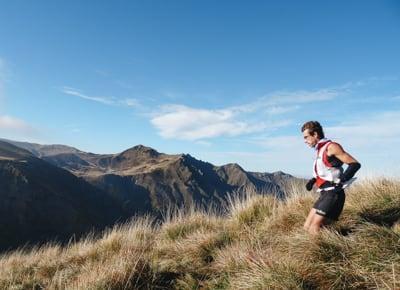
314,229
316,223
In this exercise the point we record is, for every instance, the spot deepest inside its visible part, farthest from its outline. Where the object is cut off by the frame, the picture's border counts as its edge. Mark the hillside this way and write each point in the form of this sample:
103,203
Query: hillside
42,202
258,244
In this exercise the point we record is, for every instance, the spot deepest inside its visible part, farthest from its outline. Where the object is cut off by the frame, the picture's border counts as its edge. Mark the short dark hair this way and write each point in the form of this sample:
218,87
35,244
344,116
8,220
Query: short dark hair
313,126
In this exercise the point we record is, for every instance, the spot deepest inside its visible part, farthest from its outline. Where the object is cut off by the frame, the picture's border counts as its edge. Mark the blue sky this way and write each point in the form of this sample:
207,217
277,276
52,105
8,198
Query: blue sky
225,81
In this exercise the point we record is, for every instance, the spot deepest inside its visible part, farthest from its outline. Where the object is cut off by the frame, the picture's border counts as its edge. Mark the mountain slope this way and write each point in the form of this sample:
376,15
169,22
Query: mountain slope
42,202
161,179
142,179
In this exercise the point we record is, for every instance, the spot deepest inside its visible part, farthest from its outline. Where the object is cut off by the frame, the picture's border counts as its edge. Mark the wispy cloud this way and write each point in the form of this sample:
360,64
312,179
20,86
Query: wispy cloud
182,122
372,139
265,113
377,131
281,102
77,93
112,101
302,97
187,123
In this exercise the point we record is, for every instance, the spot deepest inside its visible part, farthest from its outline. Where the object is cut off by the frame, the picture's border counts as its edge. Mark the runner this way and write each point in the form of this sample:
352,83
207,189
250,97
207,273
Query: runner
329,177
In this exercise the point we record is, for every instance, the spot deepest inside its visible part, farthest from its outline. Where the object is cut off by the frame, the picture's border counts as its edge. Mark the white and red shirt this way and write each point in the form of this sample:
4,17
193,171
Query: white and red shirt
323,169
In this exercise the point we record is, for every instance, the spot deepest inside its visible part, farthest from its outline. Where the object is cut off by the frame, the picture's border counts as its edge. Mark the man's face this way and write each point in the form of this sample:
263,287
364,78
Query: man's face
310,140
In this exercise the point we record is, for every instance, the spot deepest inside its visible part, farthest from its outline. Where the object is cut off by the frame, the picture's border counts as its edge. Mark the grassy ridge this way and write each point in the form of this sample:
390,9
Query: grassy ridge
258,244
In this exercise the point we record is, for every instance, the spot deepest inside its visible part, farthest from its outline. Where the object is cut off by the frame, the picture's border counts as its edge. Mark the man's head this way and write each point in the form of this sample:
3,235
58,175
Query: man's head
312,133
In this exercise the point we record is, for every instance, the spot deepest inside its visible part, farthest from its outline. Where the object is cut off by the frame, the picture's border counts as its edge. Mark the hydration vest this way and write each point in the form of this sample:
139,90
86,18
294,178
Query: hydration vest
323,169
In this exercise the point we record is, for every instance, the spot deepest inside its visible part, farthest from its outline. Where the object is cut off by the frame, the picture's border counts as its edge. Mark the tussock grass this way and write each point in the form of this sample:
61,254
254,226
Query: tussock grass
258,243
376,201
250,208
180,222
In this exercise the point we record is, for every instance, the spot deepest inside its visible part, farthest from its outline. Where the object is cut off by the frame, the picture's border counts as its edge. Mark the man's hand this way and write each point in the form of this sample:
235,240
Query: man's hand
310,184
339,185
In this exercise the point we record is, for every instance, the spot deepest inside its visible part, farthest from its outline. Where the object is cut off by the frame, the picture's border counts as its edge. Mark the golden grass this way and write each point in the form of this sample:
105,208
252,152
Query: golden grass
259,243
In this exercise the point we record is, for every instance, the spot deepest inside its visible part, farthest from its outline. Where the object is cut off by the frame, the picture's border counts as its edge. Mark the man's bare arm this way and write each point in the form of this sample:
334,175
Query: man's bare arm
337,151
353,165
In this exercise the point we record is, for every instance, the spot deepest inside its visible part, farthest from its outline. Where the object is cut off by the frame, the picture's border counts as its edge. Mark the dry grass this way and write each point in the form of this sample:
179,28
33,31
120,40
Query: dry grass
258,244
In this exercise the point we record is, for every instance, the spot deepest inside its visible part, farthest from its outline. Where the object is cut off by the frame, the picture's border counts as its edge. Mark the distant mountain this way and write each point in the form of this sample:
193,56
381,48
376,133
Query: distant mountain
39,150
41,202
142,179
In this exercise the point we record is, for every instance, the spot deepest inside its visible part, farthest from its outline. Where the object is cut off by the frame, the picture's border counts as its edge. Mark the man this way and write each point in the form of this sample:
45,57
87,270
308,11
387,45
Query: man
329,177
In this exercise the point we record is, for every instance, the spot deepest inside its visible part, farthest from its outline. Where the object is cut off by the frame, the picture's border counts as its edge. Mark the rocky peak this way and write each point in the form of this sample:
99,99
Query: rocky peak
141,151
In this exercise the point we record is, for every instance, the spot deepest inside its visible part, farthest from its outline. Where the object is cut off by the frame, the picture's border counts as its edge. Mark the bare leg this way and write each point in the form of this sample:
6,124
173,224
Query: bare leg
309,219
317,222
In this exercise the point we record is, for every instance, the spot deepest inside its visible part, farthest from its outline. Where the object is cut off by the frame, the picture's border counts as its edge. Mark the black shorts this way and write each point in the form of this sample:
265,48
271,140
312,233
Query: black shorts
330,203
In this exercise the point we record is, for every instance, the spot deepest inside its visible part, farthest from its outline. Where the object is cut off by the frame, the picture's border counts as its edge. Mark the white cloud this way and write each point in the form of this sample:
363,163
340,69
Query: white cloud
377,130
7,122
182,122
14,128
282,102
373,140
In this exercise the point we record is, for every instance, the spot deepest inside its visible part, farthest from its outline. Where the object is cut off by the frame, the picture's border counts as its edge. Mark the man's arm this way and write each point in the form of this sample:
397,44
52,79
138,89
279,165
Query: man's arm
353,165
337,151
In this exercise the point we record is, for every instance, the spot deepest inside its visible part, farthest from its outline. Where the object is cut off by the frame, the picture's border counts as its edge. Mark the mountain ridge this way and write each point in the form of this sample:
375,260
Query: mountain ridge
136,181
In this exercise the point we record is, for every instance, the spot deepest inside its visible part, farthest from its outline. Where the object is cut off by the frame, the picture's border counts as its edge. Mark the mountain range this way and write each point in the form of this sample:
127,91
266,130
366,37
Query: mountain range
57,191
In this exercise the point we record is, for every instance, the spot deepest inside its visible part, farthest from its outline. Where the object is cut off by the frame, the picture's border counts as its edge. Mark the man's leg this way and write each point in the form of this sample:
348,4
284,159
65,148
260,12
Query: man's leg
317,222
309,219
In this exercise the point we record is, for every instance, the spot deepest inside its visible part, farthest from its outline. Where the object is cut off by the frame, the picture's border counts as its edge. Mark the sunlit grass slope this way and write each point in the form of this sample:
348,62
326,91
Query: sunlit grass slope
258,243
